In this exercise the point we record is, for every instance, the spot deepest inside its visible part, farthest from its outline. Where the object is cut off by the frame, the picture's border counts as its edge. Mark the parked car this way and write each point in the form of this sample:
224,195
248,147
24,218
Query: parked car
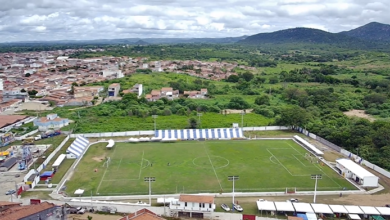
81,211
238,207
10,192
293,200
261,200
225,207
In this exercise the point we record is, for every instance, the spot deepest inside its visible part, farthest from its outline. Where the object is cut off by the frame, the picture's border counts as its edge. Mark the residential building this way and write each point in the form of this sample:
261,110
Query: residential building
143,214
42,211
137,89
166,92
113,89
202,94
87,91
193,206
51,121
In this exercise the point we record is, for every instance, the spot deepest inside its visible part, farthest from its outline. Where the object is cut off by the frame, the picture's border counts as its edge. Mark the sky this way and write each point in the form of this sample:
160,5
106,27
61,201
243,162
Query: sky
37,20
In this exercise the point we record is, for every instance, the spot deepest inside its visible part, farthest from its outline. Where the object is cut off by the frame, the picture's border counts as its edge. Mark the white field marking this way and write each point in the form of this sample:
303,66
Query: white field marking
301,160
119,165
283,165
215,172
140,169
105,171
270,158
228,162
316,165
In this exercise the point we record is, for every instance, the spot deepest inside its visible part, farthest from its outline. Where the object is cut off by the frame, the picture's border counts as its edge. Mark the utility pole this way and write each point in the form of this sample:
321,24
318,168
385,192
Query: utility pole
233,178
199,114
150,179
316,177
242,118
154,119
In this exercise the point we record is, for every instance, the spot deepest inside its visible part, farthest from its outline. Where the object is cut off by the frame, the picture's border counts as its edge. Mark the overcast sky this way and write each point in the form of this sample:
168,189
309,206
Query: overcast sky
26,20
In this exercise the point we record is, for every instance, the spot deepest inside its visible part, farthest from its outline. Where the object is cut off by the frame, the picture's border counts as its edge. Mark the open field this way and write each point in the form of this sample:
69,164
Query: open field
195,167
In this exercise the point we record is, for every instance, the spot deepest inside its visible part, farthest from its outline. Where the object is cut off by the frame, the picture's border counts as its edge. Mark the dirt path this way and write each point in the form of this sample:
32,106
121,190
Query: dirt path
359,114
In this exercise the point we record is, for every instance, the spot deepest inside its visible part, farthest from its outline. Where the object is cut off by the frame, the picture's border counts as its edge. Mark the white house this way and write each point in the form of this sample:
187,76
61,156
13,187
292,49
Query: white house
352,170
51,121
193,206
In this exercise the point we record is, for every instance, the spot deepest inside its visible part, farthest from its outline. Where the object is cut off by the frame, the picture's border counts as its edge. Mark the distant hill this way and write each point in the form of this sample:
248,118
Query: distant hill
309,36
373,31
134,41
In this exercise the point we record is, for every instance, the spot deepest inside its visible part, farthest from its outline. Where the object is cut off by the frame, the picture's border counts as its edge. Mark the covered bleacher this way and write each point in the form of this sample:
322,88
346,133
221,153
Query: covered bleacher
307,145
306,210
194,134
78,146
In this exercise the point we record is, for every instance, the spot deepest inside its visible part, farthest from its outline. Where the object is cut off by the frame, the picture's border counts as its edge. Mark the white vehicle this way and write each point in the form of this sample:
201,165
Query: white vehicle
81,211
292,200
261,200
238,207
38,137
225,207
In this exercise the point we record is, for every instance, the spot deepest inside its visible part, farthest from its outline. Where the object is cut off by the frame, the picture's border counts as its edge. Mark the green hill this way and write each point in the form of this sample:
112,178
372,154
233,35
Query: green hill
373,31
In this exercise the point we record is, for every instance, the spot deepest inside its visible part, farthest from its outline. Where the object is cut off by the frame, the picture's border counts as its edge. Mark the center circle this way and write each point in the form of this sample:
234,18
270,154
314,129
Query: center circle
217,161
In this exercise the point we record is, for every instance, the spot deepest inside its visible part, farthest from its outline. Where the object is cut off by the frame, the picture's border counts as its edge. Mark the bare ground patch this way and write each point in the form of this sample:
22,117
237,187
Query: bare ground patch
359,114
234,111
99,159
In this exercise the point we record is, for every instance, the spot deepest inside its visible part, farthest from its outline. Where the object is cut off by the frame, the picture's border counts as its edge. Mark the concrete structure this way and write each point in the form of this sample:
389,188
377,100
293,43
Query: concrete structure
113,89
349,169
78,146
137,89
51,121
197,206
196,94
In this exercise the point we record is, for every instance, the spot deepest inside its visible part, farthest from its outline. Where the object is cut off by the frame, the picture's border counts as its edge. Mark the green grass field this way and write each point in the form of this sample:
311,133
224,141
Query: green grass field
196,167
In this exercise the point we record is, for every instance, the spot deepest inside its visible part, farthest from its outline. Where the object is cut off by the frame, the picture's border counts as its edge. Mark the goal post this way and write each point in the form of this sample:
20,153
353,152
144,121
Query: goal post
290,190
107,162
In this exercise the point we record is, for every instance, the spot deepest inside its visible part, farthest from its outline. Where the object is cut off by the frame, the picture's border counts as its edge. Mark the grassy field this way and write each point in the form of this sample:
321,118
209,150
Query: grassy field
195,167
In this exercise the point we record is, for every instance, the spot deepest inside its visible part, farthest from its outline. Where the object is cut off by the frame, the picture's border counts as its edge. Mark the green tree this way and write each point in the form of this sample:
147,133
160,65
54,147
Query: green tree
262,100
27,75
192,123
247,76
273,80
232,78
293,116
238,103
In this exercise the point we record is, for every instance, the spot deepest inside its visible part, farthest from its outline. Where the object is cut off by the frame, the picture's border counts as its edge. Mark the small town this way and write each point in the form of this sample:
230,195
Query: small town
52,76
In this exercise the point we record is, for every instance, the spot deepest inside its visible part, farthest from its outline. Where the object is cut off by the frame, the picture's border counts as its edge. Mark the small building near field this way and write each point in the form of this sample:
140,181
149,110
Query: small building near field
193,206
51,121
349,169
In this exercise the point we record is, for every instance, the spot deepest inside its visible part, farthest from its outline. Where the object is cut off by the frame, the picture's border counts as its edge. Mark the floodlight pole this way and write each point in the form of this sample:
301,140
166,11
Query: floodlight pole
233,178
316,177
150,179
154,119
200,114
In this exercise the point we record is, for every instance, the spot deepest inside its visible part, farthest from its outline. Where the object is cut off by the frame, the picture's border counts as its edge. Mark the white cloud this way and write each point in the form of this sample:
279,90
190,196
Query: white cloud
93,19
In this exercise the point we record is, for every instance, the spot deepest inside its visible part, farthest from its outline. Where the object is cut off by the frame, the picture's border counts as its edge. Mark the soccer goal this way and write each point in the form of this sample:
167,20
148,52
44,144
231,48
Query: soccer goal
107,162
311,158
290,190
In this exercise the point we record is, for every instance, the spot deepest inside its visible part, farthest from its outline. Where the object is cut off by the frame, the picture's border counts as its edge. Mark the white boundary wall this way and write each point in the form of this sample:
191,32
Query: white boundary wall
26,135
40,168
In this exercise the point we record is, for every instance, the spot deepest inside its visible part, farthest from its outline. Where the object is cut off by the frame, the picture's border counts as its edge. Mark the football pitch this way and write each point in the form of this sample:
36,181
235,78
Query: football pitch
199,167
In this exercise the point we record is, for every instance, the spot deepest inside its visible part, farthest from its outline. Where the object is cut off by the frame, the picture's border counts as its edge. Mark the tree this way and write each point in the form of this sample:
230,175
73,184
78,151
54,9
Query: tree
27,75
293,116
238,103
247,76
192,123
32,92
262,100
232,78
273,80
22,90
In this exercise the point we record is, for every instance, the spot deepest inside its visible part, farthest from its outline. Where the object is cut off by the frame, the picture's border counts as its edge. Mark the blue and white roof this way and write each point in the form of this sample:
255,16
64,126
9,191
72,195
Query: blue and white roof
78,146
215,133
